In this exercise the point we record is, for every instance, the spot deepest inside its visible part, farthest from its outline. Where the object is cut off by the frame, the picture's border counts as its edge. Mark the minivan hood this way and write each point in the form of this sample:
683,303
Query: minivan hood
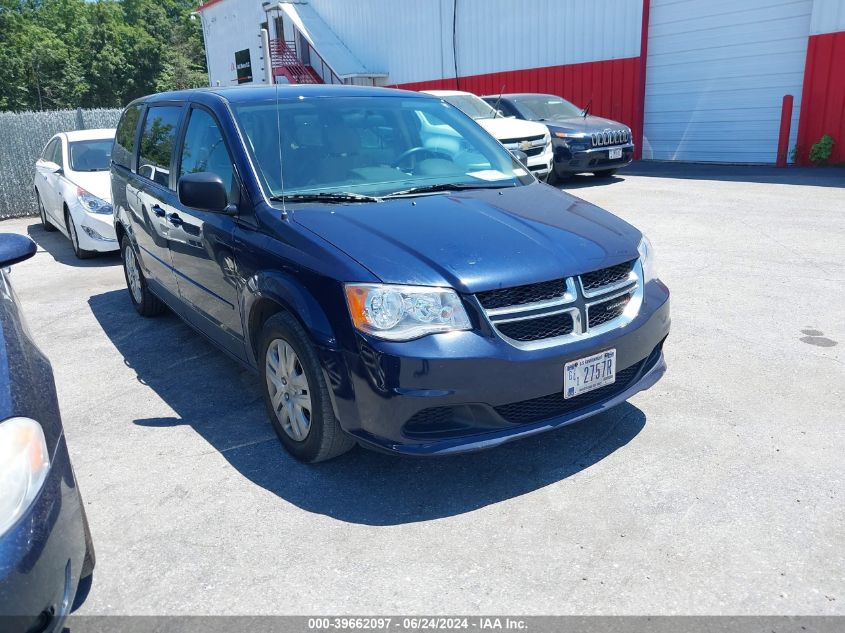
504,129
96,182
587,124
475,240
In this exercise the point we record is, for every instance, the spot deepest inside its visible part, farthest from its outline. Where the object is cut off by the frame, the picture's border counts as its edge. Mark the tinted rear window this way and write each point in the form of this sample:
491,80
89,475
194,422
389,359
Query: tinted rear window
124,140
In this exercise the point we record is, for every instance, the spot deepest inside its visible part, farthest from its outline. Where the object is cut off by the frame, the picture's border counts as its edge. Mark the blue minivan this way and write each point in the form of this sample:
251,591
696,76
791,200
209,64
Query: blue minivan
395,276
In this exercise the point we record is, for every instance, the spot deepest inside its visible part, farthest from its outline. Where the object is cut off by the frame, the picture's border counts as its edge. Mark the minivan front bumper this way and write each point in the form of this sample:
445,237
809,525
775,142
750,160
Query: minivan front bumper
463,391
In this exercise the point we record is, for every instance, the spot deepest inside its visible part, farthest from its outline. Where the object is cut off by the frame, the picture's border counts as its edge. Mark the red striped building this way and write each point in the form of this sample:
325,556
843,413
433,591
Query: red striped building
695,81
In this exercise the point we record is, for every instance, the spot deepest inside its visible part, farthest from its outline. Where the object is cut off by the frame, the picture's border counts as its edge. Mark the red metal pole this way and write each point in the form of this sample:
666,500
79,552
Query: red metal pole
785,124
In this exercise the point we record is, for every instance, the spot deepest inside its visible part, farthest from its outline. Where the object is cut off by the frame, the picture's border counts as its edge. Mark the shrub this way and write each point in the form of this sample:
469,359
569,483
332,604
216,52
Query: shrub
820,152
794,154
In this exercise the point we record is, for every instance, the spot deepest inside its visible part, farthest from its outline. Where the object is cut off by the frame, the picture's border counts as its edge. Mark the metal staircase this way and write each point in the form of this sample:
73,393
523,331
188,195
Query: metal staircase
286,63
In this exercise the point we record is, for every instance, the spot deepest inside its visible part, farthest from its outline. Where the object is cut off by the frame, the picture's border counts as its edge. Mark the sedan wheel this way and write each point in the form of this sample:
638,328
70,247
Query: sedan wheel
290,394
74,240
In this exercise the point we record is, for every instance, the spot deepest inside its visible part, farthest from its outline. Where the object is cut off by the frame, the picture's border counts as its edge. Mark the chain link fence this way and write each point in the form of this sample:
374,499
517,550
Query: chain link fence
22,137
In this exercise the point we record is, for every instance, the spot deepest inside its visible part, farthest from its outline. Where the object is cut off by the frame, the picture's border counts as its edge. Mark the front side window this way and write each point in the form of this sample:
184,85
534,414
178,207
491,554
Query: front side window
49,150
205,150
93,155
157,140
58,157
372,146
546,107
124,139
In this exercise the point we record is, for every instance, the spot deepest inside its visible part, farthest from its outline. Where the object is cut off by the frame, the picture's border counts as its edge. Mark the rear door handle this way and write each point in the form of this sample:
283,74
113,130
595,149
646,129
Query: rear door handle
174,219
158,211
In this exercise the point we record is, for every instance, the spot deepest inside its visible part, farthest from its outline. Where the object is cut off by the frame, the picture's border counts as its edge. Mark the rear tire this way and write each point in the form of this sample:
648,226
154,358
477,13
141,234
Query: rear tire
295,393
144,301
605,173
74,239
43,213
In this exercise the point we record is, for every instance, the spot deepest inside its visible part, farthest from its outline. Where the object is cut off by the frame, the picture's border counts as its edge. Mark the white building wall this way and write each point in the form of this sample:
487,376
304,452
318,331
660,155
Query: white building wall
828,17
412,39
716,75
230,26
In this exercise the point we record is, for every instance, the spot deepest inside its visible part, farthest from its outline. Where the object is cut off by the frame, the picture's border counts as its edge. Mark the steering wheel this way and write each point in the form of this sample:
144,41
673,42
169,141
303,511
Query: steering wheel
414,151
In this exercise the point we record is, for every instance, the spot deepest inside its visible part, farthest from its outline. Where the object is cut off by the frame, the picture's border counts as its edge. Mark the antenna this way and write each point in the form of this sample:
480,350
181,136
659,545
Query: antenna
281,164
586,110
496,107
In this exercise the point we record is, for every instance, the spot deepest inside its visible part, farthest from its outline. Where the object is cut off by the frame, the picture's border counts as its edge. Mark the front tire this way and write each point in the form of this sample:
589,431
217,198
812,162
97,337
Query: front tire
43,213
555,179
295,393
605,173
74,239
145,302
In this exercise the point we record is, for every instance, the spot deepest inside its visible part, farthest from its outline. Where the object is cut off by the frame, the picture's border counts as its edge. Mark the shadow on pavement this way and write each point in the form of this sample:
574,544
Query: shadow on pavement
60,248
792,175
221,400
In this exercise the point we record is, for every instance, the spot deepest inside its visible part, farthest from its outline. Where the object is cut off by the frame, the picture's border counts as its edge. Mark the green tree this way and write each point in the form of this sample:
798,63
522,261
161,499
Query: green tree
71,53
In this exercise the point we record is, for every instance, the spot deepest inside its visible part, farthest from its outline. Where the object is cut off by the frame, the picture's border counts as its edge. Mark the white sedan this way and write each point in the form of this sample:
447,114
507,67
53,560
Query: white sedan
73,188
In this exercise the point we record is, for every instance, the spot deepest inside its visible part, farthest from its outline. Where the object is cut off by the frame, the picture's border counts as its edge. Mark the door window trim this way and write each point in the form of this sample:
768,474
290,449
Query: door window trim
186,120
180,124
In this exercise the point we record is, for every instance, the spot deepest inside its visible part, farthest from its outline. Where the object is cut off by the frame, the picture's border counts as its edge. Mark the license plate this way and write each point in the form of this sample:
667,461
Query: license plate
586,374
614,153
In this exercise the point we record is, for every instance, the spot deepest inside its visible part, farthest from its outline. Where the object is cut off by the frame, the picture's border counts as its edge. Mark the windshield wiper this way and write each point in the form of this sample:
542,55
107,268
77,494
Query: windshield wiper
326,196
445,186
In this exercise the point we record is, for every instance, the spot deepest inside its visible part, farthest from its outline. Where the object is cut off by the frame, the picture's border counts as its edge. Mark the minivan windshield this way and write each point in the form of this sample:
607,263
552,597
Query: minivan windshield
370,146
545,107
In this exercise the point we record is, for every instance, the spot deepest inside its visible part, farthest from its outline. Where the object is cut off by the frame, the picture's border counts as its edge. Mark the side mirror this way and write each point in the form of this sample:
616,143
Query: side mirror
519,155
52,167
15,248
203,190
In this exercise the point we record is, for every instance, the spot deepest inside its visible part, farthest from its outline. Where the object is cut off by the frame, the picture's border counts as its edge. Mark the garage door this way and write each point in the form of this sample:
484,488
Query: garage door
717,72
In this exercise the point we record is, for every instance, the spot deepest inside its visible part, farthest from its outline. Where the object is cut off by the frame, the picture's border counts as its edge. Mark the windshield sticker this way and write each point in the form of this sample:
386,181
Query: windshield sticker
488,174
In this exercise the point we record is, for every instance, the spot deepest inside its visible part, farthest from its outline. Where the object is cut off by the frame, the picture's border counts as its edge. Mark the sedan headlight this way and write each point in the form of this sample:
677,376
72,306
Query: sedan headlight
646,251
92,203
401,313
24,464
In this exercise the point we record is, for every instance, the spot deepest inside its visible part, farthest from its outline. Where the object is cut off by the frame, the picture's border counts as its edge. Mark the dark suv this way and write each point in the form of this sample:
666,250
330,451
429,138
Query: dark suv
581,142
395,276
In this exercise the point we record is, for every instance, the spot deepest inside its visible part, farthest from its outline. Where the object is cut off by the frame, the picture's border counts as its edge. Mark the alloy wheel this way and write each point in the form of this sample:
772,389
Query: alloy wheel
290,393
73,236
133,275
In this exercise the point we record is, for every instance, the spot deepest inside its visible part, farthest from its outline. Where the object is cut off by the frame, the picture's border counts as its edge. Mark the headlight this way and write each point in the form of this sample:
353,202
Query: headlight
92,203
646,251
24,463
401,313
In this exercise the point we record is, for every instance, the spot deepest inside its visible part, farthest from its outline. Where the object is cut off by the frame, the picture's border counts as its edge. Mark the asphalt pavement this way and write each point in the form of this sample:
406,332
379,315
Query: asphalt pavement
719,491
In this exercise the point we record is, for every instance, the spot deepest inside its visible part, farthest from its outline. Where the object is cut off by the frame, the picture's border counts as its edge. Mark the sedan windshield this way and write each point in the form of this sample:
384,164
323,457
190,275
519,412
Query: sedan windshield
472,106
370,146
94,155
544,107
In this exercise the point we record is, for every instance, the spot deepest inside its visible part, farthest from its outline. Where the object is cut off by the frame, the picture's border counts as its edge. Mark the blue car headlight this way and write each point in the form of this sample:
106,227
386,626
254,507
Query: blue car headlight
402,313
646,251
24,464
92,203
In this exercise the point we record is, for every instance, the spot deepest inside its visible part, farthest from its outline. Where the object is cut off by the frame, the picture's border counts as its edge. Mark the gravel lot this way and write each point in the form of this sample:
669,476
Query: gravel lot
721,490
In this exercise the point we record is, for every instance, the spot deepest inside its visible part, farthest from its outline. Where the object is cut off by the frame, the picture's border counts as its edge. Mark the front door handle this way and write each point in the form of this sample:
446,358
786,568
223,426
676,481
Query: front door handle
158,211
174,219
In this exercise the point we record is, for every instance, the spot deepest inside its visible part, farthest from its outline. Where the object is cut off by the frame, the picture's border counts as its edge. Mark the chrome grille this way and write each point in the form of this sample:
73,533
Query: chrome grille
609,137
547,313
